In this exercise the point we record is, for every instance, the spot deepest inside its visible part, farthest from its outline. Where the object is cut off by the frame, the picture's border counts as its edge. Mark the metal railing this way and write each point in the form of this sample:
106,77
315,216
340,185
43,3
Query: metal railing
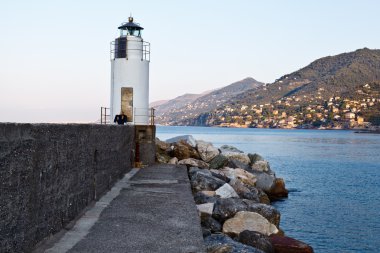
104,117
123,48
141,115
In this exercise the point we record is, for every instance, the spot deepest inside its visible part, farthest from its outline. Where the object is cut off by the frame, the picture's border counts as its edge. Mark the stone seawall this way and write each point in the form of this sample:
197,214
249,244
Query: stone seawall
50,172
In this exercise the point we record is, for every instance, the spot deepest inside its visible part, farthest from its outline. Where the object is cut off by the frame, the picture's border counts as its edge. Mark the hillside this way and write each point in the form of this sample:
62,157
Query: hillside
191,105
319,94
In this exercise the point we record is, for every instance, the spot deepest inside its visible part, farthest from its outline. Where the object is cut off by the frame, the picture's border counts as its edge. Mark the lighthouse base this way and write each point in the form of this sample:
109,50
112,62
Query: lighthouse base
145,145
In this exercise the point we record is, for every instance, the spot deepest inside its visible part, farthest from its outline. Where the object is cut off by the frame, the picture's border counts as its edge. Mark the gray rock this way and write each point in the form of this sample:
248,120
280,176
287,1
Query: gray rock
262,166
244,191
233,163
210,223
194,163
226,191
189,139
230,149
264,181
219,243
220,176
227,208
206,208
241,157
201,198
203,180
218,162
207,151
255,157
268,212
257,240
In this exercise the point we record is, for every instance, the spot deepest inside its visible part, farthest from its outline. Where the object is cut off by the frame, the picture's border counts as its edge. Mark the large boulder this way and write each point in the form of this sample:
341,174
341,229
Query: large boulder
194,163
226,191
189,139
203,180
183,150
278,189
233,163
284,244
241,157
210,223
219,243
264,181
257,240
272,186
162,149
255,157
202,198
240,174
269,212
174,161
218,162
162,145
207,151
227,208
230,149
262,166
251,221
244,192
205,208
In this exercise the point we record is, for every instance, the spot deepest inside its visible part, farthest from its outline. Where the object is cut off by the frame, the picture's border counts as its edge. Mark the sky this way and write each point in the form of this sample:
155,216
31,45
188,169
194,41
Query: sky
55,55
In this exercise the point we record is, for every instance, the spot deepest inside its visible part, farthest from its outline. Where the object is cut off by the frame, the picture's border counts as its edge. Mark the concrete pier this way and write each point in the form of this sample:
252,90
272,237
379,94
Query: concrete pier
149,210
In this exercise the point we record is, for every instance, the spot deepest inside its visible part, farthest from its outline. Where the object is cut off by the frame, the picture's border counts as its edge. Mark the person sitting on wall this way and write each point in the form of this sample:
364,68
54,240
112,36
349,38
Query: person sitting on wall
121,119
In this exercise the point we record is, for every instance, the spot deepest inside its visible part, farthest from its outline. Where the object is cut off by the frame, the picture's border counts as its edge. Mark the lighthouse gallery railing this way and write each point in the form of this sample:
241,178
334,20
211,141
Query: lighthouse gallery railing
123,48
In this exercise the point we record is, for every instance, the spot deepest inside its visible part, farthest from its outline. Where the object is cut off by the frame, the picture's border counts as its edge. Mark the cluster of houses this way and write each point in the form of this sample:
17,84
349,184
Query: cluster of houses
291,112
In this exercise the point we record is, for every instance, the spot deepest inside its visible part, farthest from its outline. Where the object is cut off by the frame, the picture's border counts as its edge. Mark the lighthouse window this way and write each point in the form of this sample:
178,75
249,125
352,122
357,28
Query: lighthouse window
134,32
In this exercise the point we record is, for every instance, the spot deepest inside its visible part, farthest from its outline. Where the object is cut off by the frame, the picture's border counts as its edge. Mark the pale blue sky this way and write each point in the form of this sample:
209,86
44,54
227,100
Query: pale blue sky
54,55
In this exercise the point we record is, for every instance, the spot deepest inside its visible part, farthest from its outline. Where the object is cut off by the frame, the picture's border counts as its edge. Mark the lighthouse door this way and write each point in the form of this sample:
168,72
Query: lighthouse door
127,102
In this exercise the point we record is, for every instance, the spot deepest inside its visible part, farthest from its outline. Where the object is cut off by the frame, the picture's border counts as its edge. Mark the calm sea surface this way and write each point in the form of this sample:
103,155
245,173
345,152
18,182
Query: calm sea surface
333,178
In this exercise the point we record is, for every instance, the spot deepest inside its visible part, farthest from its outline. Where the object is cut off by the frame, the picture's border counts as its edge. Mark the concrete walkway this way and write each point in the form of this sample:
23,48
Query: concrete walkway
150,210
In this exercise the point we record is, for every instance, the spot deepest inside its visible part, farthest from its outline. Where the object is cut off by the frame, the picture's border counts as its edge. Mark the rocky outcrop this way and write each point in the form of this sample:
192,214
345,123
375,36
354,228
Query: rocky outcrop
248,221
284,244
232,191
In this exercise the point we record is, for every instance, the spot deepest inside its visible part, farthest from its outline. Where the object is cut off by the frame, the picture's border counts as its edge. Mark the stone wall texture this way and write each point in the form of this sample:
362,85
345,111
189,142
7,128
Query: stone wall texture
50,172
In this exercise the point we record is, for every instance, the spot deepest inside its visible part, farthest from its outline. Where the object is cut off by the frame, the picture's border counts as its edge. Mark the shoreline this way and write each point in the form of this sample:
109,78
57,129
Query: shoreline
233,192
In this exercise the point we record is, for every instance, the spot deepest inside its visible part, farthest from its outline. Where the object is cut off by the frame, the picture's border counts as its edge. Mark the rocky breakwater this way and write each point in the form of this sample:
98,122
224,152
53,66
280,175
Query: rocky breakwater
233,192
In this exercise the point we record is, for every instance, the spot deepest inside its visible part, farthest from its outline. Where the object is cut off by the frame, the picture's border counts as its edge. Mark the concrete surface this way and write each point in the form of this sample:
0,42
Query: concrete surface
49,173
153,212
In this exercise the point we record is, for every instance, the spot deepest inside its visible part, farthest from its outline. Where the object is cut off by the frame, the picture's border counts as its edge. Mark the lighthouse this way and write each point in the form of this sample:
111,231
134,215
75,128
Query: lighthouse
130,57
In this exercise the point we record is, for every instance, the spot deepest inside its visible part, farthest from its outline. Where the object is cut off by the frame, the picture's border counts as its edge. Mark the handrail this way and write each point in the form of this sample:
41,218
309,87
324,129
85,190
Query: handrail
145,50
104,117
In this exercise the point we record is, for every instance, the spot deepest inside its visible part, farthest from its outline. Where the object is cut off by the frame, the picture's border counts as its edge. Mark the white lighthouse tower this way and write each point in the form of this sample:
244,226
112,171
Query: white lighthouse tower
130,57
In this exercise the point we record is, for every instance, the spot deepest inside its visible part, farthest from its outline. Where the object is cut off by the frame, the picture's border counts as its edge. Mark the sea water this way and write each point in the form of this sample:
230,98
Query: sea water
333,178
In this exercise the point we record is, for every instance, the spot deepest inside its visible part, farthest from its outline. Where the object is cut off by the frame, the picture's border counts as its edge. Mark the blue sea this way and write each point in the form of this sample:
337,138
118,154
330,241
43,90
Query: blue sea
333,178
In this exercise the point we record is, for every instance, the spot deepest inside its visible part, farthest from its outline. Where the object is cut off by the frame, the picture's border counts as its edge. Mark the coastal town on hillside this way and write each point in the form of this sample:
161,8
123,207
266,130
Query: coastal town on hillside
301,112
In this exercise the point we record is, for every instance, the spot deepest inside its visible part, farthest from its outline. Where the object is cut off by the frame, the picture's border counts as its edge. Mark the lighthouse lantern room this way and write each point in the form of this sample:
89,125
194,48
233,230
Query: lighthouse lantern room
130,57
